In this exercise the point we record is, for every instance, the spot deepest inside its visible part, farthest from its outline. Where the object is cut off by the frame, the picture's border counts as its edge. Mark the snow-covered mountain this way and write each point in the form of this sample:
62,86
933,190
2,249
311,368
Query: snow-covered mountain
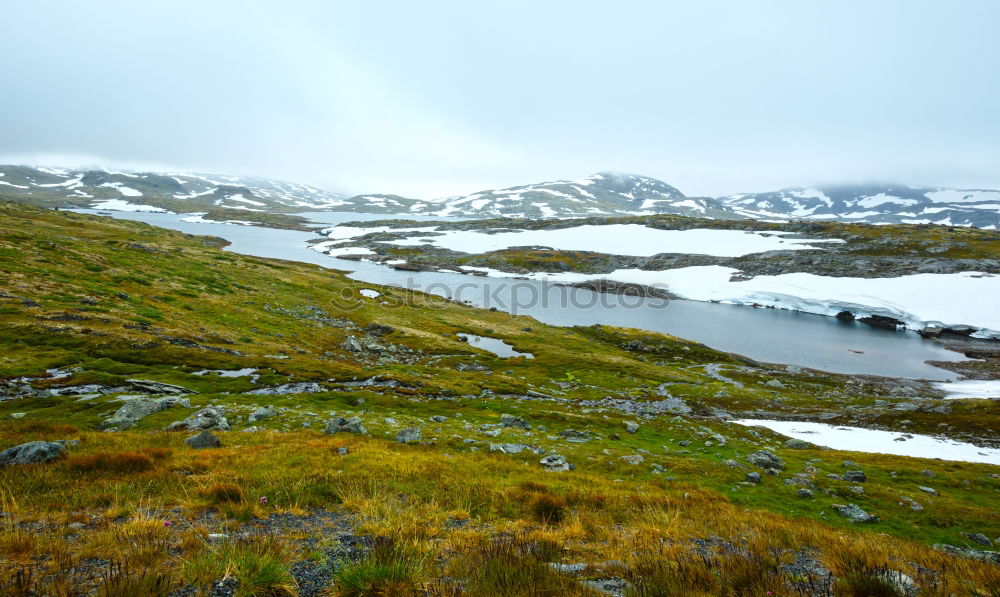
874,204
604,193
601,194
174,191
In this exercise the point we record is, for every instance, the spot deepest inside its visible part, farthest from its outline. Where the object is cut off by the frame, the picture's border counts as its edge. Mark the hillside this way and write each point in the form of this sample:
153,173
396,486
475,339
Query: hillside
365,448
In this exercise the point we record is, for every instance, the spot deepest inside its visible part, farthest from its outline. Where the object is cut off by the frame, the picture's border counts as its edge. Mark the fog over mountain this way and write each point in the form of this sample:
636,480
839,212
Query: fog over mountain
448,98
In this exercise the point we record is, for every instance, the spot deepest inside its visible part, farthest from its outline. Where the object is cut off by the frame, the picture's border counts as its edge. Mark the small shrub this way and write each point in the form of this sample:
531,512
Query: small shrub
548,509
121,580
224,493
387,569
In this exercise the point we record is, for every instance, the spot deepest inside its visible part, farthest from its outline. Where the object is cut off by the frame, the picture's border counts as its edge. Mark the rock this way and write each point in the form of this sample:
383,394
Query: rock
913,504
264,412
492,433
210,417
205,439
514,448
408,435
903,584
633,459
568,568
345,425
577,437
854,513
802,492
554,463
16,415
134,409
615,586
929,490
797,444
774,383
753,477
304,387
438,419
975,554
156,387
36,452
855,476
766,460
512,421
252,429
978,538
342,451
631,427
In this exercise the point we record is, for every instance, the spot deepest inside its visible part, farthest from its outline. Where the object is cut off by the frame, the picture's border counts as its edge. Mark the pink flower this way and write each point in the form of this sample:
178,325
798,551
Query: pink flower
263,500
166,523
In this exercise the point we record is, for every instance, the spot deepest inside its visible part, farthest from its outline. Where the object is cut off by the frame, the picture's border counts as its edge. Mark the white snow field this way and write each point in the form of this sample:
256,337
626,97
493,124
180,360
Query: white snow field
970,388
122,205
857,439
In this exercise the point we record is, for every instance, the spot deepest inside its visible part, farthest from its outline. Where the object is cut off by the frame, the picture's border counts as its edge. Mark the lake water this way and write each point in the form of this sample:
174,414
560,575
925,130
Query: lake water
768,335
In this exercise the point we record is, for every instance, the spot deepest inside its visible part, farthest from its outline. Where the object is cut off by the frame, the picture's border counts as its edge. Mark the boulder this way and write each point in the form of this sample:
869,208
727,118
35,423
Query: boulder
134,409
632,459
774,383
554,463
210,417
854,513
156,387
766,459
205,439
631,427
753,477
411,434
264,412
577,437
31,453
305,387
855,476
514,448
438,419
344,425
512,421
797,444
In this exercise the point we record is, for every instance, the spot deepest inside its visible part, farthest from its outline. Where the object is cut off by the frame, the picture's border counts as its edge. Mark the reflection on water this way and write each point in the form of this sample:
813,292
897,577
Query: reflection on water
768,335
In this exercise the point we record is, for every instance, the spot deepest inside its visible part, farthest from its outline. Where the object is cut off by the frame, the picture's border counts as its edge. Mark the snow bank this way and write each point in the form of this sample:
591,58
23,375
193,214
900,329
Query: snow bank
857,439
122,205
970,388
919,300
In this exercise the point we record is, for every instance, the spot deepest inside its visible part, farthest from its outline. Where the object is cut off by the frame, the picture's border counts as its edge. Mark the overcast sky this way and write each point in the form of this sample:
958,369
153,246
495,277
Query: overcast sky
432,98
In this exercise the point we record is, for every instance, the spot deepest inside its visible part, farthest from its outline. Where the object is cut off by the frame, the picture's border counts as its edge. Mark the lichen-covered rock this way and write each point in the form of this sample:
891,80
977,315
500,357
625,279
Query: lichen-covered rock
555,463
264,412
408,435
512,421
210,417
205,439
344,425
766,459
854,513
31,453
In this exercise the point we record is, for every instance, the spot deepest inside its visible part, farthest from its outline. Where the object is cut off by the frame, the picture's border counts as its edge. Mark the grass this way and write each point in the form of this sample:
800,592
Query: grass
140,511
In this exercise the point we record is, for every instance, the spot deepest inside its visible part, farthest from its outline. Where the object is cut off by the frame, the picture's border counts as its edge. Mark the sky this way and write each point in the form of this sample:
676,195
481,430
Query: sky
436,98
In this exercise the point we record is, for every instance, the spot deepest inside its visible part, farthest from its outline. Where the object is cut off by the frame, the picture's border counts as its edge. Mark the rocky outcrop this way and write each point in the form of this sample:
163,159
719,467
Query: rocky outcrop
205,439
210,417
36,452
344,425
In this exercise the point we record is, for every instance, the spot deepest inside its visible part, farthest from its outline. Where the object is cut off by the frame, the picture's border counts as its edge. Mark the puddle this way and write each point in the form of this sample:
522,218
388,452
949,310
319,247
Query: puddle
228,372
497,347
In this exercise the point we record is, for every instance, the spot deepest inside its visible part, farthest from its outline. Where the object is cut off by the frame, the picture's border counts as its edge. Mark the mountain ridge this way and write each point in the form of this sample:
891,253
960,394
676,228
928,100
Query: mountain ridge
601,194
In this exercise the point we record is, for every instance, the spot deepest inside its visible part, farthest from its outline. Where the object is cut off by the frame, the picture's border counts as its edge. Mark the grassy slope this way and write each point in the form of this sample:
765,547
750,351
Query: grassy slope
180,286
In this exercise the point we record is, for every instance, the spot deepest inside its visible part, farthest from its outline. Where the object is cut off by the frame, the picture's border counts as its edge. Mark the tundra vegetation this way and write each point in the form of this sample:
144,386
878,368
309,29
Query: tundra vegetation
231,425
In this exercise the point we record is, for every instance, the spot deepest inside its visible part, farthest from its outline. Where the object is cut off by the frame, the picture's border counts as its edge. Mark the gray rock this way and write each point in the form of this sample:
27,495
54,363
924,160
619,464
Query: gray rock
304,387
16,415
157,387
568,568
903,584
438,419
512,421
911,503
210,417
753,477
633,459
554,463
929,490
631,427
797,444
408,435
855,476
975,554
802,492
36,452
515,448
492,433
205,439
344,425
978,538
577,437
766,459
135,409
342,451
774,383
854,513
262,413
